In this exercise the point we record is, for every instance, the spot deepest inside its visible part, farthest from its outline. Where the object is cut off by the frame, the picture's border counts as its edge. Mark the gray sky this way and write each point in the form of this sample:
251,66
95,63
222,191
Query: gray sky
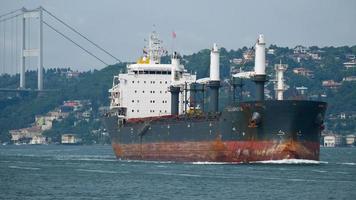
120,26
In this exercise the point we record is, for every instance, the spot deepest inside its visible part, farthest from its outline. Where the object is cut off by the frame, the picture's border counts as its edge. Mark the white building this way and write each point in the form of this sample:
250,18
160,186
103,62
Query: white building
332,140
350,140
300,49
143,90
350,64
70,139
329,141
349,78
38,139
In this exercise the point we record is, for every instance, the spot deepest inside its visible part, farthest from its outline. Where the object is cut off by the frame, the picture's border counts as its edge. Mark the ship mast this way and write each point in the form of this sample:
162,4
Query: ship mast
280,86
155,49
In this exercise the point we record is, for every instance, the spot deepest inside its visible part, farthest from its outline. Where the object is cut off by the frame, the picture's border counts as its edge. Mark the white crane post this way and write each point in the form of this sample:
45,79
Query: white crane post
260,56
214,64
214,82
175,67
40,49
260,67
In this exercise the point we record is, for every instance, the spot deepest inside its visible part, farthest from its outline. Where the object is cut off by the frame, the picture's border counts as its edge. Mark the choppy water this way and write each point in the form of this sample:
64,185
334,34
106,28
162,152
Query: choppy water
92,172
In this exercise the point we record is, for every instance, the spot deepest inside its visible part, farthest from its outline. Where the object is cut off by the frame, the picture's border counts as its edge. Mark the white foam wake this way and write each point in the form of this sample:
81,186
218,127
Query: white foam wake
146,161
101,171
347,163
212,163
291,161
27,168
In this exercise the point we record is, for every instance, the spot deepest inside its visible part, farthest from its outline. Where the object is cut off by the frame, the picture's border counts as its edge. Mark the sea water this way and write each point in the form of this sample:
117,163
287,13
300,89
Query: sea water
92,172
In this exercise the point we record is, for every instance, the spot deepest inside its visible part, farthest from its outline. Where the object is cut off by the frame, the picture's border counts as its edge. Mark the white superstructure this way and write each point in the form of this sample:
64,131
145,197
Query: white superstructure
143,90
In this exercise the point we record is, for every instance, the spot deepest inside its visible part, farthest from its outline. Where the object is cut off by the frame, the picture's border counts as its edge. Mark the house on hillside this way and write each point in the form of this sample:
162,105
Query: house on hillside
350,140
350,64
331,84
70,139
333,140
303,72
248,55
350,56
25,134
237,61
314,56
39,139
300,49
271,51
349,78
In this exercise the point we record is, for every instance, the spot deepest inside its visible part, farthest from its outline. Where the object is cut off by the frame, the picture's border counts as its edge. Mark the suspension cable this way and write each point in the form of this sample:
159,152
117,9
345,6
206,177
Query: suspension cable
8,18
71,28
16,45
9,13
4,53
66,37
12,46
1,52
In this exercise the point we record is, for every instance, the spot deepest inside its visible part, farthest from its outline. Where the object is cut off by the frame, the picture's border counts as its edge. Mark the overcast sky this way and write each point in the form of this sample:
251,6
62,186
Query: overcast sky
121,26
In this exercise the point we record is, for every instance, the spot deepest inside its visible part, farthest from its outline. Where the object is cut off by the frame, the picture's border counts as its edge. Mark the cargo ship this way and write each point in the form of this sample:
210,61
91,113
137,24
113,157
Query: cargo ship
155,114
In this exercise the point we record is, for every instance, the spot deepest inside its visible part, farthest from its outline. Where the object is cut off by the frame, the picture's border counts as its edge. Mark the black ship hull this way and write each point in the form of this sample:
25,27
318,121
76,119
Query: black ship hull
245,132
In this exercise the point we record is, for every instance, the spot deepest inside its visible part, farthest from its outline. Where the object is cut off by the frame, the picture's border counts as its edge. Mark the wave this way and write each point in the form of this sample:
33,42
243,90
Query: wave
320,171
146,161
92,159
212,163
102,171
27,168
291,161
177,174
283,161
85,158
347,163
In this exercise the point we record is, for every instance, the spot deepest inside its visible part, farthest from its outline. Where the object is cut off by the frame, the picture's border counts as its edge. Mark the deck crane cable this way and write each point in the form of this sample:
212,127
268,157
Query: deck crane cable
66,37
71,28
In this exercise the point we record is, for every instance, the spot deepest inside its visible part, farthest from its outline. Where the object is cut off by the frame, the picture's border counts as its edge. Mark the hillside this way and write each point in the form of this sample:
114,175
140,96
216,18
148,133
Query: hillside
319,64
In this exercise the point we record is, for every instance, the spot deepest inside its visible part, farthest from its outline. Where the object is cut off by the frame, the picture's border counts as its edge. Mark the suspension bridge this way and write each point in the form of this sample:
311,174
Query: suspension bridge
17,38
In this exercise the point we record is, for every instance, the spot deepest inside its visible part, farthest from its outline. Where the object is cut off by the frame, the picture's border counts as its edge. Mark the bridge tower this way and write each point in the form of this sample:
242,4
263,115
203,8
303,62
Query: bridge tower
29,51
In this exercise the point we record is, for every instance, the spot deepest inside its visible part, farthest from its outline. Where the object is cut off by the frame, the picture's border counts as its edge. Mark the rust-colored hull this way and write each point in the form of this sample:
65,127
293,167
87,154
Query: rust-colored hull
218,151
250,131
